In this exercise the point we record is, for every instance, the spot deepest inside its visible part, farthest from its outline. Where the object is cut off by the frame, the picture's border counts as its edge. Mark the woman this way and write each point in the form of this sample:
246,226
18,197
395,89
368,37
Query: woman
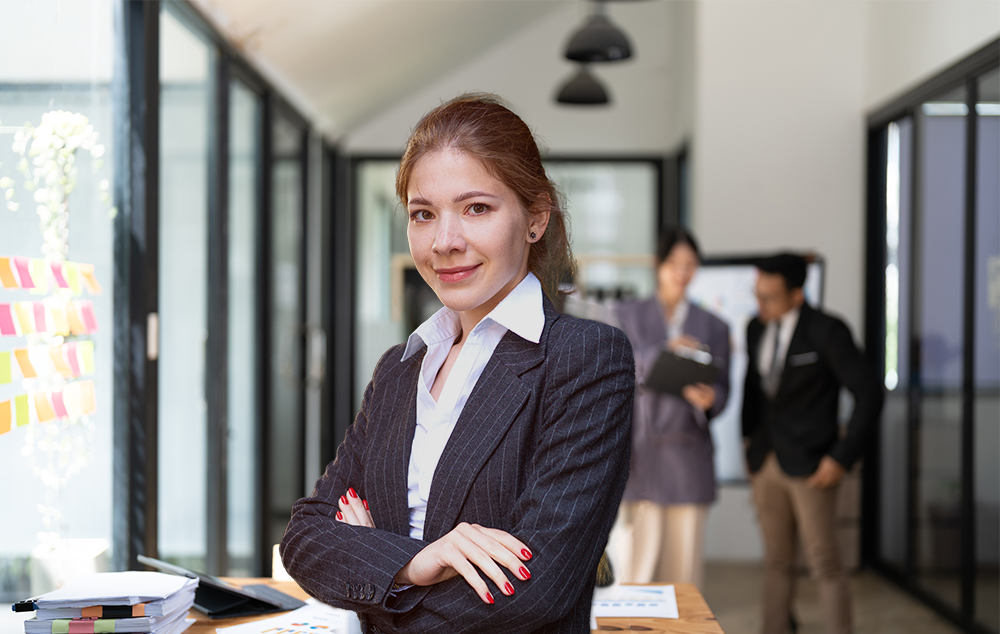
672,479
491,450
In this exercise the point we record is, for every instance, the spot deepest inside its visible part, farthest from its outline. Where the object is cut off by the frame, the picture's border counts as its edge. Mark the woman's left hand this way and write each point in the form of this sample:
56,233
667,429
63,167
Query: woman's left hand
354,510
700,395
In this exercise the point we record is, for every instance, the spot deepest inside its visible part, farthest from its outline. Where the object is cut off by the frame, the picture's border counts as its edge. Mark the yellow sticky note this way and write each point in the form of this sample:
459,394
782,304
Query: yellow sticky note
86,349
5,417
59,362
21,407
43,407
39,276
75,324
7,279
89,278
5,368
24,362
72,277
23,312
59,320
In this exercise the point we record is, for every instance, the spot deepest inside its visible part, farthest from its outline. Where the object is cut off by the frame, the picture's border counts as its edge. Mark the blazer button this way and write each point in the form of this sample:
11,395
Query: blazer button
369,591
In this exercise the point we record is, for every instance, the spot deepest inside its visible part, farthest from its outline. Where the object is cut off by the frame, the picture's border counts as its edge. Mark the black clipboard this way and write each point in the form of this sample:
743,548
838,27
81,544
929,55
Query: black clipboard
673,370
219,599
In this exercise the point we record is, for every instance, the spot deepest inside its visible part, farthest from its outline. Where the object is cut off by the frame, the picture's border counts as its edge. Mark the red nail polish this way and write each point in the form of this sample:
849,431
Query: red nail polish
343,499
366,504
351,491
526,553
340,515
524,573
489,597
508,588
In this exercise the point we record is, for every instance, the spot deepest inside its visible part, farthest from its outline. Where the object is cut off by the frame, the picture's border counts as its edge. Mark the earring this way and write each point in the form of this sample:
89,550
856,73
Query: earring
532,234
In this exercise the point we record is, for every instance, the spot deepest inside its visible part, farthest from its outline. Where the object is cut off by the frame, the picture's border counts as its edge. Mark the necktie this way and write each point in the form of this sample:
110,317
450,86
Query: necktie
773,379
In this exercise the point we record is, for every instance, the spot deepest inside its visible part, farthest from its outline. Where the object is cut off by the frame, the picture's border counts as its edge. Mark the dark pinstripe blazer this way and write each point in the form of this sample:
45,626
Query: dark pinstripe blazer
541,450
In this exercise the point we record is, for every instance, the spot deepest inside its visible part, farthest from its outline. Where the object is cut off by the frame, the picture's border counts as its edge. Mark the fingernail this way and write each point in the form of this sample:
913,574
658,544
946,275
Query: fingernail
524,573
509,589
489,597
343,499
340,515
366,504
526,553
351,491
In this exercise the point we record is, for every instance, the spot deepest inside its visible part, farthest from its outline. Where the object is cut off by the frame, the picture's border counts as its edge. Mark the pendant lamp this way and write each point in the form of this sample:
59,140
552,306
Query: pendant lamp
583,90
598,41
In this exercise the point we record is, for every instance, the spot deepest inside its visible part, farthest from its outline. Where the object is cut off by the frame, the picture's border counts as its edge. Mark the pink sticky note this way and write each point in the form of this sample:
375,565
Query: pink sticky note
74,364
6,322
21,263
57,273
58,406
40,325
86,309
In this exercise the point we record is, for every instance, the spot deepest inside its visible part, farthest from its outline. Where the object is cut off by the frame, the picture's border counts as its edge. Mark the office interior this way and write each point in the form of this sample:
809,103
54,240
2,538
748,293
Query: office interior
237,207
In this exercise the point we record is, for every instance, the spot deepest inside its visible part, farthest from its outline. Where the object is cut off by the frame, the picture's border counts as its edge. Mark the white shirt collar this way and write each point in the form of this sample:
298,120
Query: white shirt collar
520,311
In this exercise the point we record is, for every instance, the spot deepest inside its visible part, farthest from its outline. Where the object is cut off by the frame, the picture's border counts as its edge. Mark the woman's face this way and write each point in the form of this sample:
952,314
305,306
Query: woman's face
468,233
676,272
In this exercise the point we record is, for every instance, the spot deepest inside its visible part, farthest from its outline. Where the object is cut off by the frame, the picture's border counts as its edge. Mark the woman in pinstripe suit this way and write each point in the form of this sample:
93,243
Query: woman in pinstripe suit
492,448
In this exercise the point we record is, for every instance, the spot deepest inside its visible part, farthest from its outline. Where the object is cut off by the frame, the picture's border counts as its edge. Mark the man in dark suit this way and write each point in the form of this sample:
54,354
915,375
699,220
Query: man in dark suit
798,360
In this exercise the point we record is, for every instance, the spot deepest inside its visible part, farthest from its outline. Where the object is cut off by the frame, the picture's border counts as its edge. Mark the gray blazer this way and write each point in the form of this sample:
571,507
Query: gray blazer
672,451
540,450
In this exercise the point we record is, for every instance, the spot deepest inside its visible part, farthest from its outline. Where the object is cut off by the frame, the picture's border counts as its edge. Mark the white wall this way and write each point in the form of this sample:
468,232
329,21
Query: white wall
650,111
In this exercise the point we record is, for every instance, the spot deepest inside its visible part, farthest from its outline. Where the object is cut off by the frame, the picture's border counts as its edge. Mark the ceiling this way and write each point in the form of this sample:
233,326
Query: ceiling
342,61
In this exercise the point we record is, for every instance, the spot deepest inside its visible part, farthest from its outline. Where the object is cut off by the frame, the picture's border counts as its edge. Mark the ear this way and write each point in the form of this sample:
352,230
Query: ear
538,220
798,297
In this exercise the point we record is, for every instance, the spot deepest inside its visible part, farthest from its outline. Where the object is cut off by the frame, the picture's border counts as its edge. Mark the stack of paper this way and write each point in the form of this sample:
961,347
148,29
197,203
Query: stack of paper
149,602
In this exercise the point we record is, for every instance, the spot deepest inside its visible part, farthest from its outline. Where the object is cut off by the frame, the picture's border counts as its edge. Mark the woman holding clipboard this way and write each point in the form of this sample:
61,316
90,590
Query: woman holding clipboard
672,479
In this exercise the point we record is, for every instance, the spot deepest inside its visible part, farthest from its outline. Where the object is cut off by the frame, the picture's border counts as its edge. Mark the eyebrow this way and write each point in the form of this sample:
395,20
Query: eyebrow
457,199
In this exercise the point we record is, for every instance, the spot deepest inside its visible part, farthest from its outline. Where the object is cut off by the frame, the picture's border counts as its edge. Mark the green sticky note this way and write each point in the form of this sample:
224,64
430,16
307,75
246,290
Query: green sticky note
4,368
86,349
39,276
72,277
60,626
104,626
21,405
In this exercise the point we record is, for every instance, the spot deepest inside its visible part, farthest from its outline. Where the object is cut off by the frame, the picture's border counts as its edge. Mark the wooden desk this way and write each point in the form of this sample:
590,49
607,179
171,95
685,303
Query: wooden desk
695,615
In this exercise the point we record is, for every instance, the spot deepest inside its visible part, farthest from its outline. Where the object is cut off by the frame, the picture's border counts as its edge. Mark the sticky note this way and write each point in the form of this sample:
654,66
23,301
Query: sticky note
24,362
104,626
23,312
57,405
60,325
6,321
5,371
86,349
38,275
7,278
75,325
21,407
5,416
43,407
60,626
88,403
69,352
41,326
89,278
72,277
62,367
57,274
86,309
21,264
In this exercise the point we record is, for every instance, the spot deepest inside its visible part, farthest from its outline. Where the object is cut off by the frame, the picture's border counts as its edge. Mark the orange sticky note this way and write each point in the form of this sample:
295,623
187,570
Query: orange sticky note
27,370
59,362
88,403
5,417
23,312
6,274
75,324
59,321
43,408
89,278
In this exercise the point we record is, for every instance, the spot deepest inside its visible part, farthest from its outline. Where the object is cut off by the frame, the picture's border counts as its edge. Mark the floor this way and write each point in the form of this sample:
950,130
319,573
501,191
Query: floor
733,593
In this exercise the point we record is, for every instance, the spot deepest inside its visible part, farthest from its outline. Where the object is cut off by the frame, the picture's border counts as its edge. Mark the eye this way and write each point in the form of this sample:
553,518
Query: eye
479,209
421,215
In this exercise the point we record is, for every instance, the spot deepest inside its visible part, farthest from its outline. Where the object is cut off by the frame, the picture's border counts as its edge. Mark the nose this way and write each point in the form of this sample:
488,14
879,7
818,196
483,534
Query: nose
449,237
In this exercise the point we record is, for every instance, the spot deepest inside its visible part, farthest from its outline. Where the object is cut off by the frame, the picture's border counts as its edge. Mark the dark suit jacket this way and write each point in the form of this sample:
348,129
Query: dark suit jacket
800,423
540,450
672,452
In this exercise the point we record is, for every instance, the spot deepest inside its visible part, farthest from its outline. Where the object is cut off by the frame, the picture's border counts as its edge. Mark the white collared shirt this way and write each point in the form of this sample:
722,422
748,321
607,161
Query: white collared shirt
788,323
520,312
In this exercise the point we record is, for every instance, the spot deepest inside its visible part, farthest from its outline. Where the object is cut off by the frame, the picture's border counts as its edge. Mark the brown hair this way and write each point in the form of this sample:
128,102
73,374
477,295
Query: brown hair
481,126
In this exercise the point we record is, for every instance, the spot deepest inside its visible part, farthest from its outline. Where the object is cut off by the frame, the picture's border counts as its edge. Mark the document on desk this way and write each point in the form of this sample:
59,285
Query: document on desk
637,601
314,617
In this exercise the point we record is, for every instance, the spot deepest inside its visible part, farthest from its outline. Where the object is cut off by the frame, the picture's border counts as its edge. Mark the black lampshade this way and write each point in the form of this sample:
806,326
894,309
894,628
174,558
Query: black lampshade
598,41
583,90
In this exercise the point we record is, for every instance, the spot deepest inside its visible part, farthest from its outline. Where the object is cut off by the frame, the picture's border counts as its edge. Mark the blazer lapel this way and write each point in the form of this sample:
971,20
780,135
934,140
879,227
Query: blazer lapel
794,346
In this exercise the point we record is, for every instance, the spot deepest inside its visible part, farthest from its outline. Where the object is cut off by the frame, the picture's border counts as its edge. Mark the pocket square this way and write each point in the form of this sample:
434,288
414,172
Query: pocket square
803,359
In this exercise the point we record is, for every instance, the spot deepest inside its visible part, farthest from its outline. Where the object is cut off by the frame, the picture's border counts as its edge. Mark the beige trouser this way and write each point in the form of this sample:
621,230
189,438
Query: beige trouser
668,542
787,507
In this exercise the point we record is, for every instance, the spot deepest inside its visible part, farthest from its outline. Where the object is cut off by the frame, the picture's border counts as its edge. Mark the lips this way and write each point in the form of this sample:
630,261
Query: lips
455,273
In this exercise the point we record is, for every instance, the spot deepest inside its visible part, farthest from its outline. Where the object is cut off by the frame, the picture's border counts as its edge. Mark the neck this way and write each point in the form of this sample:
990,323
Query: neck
670,303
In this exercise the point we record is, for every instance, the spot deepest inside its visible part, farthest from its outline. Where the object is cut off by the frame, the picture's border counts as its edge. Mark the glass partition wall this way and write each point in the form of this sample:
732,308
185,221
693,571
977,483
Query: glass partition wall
935,315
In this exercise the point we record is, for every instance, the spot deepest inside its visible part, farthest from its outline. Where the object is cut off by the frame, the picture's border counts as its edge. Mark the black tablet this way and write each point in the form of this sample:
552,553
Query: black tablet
673,370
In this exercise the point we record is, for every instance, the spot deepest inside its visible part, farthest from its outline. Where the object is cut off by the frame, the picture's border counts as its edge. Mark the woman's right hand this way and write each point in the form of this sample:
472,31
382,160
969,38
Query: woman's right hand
463,550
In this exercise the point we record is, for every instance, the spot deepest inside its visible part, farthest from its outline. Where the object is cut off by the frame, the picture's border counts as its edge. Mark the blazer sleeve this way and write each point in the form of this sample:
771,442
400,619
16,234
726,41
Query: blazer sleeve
350,567
720,347
575,484
855,373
